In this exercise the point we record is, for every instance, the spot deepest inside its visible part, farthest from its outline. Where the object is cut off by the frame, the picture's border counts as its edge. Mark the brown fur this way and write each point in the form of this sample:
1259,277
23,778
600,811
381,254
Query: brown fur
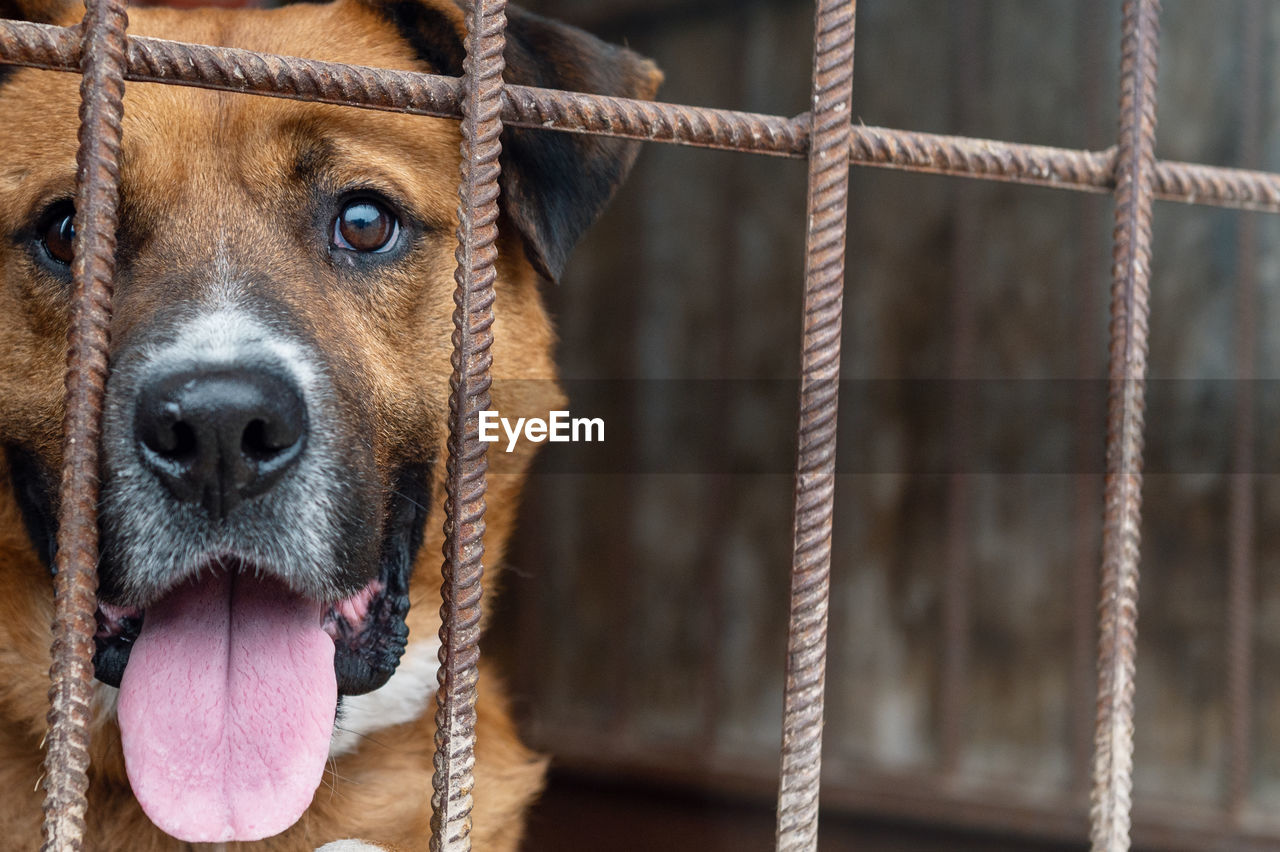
236,178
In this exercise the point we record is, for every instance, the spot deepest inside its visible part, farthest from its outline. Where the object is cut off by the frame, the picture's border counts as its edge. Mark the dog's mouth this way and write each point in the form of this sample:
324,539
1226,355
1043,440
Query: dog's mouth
230,680
367,628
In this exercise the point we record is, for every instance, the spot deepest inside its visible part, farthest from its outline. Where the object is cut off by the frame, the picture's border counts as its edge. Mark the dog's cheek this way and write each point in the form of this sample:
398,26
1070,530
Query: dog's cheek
32,364
397,365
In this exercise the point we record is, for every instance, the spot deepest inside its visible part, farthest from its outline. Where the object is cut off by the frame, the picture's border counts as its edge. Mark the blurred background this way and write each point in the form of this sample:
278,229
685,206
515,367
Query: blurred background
642,620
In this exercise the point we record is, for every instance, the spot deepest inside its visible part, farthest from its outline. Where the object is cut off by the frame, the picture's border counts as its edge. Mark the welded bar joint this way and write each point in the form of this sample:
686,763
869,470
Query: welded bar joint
1111,800
801,763
454,780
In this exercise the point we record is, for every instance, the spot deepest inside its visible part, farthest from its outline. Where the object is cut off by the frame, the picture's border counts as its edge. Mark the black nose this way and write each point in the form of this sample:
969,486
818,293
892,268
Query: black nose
217,438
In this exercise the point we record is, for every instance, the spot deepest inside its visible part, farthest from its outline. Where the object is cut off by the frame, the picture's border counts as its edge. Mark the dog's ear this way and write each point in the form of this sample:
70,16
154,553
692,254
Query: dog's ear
554,184
36,11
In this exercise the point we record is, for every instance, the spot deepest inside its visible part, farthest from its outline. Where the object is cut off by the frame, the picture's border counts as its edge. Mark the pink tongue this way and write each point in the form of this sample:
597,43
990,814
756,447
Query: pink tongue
226,709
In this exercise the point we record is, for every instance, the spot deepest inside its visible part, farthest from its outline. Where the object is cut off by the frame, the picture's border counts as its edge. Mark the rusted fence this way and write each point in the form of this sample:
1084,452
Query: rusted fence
100,50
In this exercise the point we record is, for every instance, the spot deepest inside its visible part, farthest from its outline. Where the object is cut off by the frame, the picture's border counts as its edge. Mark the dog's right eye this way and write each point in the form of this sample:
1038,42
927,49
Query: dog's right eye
365,225
58,232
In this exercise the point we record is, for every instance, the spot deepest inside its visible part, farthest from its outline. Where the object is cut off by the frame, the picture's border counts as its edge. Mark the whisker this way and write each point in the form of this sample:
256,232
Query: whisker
404,496
362,735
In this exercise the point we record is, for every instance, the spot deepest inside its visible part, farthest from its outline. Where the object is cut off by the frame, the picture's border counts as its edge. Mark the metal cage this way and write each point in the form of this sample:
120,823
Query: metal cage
105,57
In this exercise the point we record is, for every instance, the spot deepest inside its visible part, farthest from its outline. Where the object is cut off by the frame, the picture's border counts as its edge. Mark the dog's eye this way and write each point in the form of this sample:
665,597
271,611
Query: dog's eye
58,232
365,225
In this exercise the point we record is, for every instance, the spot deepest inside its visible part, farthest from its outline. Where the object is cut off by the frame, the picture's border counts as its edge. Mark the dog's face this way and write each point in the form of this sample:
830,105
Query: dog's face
274,428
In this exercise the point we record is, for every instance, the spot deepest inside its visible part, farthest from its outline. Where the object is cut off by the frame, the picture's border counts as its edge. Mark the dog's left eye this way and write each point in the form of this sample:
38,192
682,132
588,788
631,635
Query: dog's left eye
365,225
57,232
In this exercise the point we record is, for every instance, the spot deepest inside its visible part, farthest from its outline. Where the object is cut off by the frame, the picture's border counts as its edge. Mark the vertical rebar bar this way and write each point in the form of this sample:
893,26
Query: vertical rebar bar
829,156
460,591
1240,577
102,65
1121,534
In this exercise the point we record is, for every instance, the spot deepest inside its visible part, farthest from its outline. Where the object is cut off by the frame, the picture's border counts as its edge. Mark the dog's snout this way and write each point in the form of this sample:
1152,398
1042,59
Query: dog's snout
217,438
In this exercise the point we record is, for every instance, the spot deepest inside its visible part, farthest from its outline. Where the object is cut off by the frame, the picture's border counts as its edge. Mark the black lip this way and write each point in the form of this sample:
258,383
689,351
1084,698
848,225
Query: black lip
366,659
112,647
366,655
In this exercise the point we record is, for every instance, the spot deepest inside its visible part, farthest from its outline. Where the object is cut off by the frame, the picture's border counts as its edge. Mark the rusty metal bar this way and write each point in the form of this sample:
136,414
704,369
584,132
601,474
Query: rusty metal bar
1131,272
234,70
229,69
1240,577
933,153
1060,168
801,770
460,591
76,581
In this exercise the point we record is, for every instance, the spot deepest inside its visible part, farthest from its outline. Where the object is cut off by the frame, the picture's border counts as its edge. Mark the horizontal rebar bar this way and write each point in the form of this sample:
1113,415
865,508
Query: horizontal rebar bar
229,69
232,69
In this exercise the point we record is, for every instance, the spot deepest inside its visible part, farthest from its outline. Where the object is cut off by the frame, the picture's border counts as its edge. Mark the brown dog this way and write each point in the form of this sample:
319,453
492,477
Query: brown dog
274,428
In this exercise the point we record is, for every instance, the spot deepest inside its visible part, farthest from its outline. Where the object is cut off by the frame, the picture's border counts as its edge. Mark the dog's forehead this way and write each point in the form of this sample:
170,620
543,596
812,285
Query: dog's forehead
193,146
190,140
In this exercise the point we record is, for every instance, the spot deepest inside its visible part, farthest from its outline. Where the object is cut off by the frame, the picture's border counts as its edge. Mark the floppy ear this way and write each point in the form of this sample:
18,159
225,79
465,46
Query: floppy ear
35,11
554,184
